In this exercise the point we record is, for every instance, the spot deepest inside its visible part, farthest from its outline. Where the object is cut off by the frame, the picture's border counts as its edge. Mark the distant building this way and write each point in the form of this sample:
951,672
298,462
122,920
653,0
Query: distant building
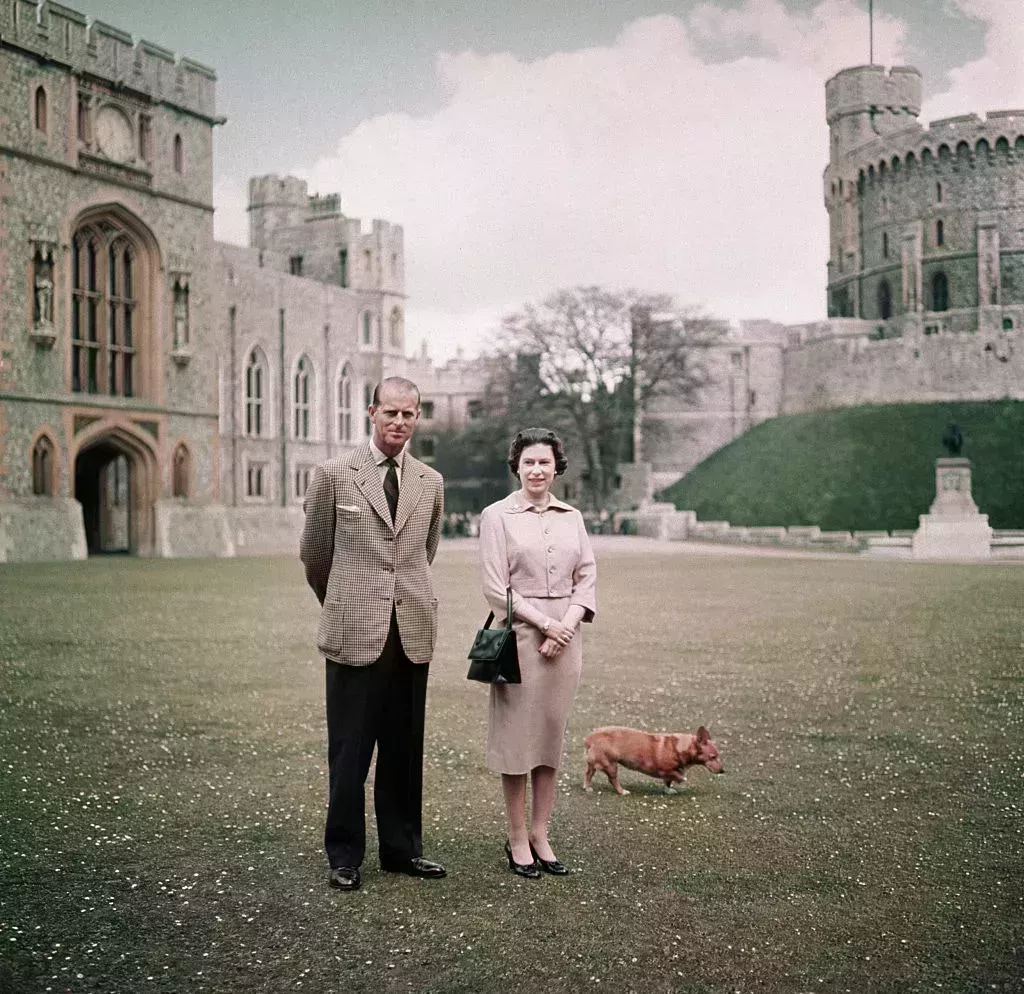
160,393
925,289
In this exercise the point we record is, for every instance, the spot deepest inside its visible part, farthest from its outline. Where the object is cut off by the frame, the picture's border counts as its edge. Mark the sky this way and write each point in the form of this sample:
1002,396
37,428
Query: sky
673,146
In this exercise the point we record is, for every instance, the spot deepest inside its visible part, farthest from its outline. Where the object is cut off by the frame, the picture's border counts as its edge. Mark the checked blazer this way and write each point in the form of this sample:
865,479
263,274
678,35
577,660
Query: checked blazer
359,564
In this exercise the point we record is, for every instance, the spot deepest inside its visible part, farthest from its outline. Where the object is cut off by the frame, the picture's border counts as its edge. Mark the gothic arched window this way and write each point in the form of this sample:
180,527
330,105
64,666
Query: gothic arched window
104,310
255,392
940,292
345,404
884,300
301,397
940,233
40,110
367,328
43,465
181,471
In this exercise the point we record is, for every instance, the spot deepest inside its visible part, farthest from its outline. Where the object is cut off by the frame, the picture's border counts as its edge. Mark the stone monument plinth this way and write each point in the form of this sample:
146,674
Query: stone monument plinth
953,527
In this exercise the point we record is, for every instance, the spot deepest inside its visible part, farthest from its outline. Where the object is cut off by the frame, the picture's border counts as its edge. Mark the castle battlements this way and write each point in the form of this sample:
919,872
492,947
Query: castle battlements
93,49
963,141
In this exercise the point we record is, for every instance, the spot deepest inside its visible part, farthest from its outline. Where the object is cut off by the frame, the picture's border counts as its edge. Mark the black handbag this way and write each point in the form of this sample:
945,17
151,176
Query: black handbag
494,657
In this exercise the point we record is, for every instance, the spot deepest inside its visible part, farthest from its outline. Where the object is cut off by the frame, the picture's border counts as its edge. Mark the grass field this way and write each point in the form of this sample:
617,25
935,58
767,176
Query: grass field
870,467
162,785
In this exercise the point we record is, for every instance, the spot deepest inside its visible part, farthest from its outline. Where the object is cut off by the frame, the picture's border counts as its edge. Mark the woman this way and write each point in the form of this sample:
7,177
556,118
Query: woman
538,546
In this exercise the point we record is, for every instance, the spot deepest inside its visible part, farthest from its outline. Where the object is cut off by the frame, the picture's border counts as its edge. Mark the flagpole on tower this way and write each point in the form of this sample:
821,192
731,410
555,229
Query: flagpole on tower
871,31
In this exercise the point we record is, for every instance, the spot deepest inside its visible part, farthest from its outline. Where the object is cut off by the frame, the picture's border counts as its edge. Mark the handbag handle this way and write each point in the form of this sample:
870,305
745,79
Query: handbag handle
508,611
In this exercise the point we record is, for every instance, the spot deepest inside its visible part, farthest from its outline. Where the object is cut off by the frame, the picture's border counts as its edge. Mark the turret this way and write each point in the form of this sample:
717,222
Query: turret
274,204
866,102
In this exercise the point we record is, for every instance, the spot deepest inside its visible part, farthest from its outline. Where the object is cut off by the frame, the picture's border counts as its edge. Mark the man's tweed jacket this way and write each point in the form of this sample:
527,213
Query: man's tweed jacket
359,564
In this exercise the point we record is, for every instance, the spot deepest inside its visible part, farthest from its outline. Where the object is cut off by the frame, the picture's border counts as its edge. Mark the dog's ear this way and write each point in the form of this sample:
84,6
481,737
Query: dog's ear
702,735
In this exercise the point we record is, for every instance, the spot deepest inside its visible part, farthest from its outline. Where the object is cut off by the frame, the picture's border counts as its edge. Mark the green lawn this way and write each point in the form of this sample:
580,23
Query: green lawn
870,467
162,784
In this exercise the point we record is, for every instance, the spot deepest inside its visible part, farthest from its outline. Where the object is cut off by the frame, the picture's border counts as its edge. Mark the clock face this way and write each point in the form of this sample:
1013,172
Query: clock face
113,134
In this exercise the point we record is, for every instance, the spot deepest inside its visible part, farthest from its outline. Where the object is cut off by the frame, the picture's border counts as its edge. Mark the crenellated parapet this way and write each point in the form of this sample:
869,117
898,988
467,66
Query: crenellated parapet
64,37
950,144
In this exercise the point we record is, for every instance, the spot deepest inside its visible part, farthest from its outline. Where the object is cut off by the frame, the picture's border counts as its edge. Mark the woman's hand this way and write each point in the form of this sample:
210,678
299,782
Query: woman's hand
560,633
549,648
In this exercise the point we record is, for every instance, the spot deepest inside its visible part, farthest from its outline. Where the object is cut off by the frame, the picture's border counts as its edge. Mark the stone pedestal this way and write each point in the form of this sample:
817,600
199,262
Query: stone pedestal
953,528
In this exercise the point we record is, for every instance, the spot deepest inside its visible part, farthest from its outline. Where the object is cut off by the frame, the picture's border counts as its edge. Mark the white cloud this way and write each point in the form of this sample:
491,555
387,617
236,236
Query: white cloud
995,81
686,158
230,221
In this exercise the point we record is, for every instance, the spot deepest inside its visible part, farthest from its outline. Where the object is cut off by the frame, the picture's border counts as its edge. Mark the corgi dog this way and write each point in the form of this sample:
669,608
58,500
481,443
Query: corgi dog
662,755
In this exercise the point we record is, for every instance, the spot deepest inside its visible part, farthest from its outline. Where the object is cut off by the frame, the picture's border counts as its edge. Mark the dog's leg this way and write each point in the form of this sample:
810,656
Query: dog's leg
589,775
612,770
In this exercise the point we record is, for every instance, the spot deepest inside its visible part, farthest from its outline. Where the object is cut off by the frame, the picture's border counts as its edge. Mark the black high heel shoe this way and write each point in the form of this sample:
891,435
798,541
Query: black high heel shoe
553,866
528,870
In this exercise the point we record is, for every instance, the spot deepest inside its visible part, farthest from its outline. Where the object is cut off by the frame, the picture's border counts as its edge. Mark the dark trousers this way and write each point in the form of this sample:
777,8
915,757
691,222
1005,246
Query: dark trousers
381,704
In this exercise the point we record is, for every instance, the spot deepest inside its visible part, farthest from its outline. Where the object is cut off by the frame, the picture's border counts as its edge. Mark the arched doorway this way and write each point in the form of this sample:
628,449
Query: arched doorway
115,482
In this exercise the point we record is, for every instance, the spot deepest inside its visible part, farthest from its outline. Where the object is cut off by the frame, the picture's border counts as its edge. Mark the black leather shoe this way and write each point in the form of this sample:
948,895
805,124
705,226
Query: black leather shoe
528,870
553,866
344,878
416,867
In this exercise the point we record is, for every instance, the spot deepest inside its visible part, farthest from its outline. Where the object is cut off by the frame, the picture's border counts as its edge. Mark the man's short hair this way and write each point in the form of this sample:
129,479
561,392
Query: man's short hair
397,383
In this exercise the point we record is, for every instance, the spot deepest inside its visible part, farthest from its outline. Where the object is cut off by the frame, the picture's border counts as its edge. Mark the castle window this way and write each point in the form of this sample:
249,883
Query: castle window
427,448
43,465
180,316
303,474
367,328
254,479
300,406
145,137
343,267
884,300
394,263
181,471
938,193
84,118
345,404
475,409
255,387
40,110
104,306
368,262
295,265
427,407
940,233
367,401
396,328
885,244
178,155
1007,324
940,292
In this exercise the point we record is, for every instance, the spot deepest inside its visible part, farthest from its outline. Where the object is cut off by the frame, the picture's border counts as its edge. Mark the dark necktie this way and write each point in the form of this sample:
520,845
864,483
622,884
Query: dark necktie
391,487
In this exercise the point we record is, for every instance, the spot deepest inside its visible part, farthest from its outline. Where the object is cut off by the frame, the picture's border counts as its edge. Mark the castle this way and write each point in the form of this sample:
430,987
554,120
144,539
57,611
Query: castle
160,393
925,291
164,394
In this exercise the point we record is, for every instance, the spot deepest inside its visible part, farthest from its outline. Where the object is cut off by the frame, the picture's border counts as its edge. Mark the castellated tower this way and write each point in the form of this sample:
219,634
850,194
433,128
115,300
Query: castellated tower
926,228
275,205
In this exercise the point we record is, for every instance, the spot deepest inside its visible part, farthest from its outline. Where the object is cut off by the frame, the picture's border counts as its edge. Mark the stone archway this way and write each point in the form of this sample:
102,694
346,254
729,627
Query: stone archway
115,479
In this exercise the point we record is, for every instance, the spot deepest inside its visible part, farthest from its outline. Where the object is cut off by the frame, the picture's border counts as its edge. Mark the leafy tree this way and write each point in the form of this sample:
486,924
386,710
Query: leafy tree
601,357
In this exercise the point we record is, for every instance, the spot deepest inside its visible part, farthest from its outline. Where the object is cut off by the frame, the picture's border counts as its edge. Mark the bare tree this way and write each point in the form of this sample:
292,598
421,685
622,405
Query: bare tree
602,357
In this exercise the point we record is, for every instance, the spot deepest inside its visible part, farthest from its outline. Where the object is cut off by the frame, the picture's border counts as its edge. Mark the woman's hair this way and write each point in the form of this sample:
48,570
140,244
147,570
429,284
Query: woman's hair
537,436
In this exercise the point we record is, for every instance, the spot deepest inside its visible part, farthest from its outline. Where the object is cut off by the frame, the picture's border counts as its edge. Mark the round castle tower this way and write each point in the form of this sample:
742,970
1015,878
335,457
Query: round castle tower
926,226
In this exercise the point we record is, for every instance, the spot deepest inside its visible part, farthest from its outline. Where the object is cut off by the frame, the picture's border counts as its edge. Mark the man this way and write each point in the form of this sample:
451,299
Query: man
373,521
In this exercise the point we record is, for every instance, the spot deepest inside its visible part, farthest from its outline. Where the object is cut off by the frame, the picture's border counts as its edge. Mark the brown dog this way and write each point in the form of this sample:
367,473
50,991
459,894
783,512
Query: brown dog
665,756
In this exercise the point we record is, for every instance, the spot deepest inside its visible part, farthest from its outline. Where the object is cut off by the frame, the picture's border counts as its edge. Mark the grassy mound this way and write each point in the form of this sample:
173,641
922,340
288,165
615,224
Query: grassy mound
867,467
